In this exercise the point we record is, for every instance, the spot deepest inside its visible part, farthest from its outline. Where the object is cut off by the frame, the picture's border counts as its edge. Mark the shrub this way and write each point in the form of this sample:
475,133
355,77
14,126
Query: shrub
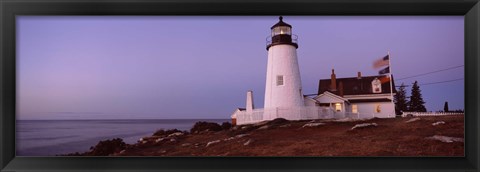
107,147
163,132
226,125
277,121
202,126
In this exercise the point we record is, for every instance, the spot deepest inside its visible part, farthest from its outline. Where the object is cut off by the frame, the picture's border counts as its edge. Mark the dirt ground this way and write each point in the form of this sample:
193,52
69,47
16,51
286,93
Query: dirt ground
391,137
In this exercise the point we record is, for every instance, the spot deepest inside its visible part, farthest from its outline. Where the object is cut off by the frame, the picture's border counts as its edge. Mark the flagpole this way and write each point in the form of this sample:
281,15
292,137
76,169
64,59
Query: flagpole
391,81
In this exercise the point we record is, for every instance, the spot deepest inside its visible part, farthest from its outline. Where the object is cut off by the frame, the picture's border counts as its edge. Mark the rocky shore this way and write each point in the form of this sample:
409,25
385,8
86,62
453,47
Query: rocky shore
414,136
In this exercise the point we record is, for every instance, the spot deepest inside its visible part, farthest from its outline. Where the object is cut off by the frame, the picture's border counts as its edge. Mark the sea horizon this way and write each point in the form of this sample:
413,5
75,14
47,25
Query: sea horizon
62,136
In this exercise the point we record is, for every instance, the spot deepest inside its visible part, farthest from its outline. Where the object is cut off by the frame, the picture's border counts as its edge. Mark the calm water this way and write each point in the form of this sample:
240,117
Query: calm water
52,137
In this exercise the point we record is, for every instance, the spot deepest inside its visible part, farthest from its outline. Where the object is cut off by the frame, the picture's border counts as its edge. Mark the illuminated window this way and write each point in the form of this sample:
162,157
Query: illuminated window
282,30
338,107
378,109
279,80
354,109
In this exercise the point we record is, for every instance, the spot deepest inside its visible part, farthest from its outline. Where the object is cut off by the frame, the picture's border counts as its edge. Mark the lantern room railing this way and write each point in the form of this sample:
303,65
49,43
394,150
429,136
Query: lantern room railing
269,39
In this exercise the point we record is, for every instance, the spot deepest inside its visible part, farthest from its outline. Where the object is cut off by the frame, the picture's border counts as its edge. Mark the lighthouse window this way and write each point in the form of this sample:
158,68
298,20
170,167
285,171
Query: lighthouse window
279,80
281,30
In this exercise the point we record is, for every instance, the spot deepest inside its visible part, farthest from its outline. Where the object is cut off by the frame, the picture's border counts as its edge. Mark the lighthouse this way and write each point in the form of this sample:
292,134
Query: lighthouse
283,89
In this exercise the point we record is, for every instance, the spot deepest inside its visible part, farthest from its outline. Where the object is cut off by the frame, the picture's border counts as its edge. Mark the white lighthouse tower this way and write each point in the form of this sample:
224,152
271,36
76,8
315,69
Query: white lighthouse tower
283,89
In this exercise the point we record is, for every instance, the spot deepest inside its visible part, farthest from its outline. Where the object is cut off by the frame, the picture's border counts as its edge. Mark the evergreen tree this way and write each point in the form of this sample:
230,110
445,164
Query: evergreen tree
445,107
416,103
401,99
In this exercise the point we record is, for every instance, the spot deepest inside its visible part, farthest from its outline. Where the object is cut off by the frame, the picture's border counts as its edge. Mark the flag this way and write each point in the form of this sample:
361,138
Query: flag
385,79
384,71
381,62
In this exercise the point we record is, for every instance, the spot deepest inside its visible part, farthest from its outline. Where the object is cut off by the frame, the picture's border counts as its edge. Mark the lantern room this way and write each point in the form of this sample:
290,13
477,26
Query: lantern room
281,33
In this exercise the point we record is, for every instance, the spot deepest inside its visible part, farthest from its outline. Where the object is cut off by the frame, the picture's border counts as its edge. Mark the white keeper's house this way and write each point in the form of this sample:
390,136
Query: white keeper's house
355,97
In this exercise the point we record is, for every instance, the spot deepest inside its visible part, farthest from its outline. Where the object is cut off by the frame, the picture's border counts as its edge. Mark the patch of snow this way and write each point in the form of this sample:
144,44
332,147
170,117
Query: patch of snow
159,140
364,125
230,138
313,124
412,120
445,139
438,123
248,142
347,120
260,123
212,142
241,135
175,134
263,127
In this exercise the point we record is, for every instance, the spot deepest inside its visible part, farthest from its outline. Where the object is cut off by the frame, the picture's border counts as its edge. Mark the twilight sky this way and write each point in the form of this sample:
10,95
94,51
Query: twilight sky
118,67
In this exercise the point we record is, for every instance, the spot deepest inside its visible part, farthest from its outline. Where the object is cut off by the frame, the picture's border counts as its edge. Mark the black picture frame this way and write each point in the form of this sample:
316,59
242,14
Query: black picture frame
11,8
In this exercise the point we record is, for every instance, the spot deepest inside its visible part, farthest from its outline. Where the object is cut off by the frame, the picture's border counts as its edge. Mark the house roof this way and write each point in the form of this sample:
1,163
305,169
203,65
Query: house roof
354,86
331,94
369,100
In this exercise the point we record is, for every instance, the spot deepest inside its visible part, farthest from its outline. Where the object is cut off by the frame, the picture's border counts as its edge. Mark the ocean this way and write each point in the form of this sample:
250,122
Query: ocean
54,137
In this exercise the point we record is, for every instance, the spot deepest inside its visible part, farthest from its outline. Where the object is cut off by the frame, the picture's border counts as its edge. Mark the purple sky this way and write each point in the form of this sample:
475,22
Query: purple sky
201,67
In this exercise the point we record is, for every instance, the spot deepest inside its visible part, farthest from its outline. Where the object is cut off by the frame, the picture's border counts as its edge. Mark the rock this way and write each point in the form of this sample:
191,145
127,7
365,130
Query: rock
313,124
363,125
445,139
412,120
212,142
438,123
286,125
277,122
263,127
173,140
248,142
245,127
186,144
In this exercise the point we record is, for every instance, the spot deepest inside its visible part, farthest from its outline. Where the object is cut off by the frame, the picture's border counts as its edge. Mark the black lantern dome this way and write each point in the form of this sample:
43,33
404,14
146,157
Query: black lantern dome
281,34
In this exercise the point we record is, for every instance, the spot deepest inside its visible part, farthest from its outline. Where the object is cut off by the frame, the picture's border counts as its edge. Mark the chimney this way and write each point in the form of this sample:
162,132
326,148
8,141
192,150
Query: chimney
249,106
359,75
333,81
340,88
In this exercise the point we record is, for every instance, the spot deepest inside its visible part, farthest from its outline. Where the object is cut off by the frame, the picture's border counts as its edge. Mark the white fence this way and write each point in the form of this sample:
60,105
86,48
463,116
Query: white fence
407,114
295,113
